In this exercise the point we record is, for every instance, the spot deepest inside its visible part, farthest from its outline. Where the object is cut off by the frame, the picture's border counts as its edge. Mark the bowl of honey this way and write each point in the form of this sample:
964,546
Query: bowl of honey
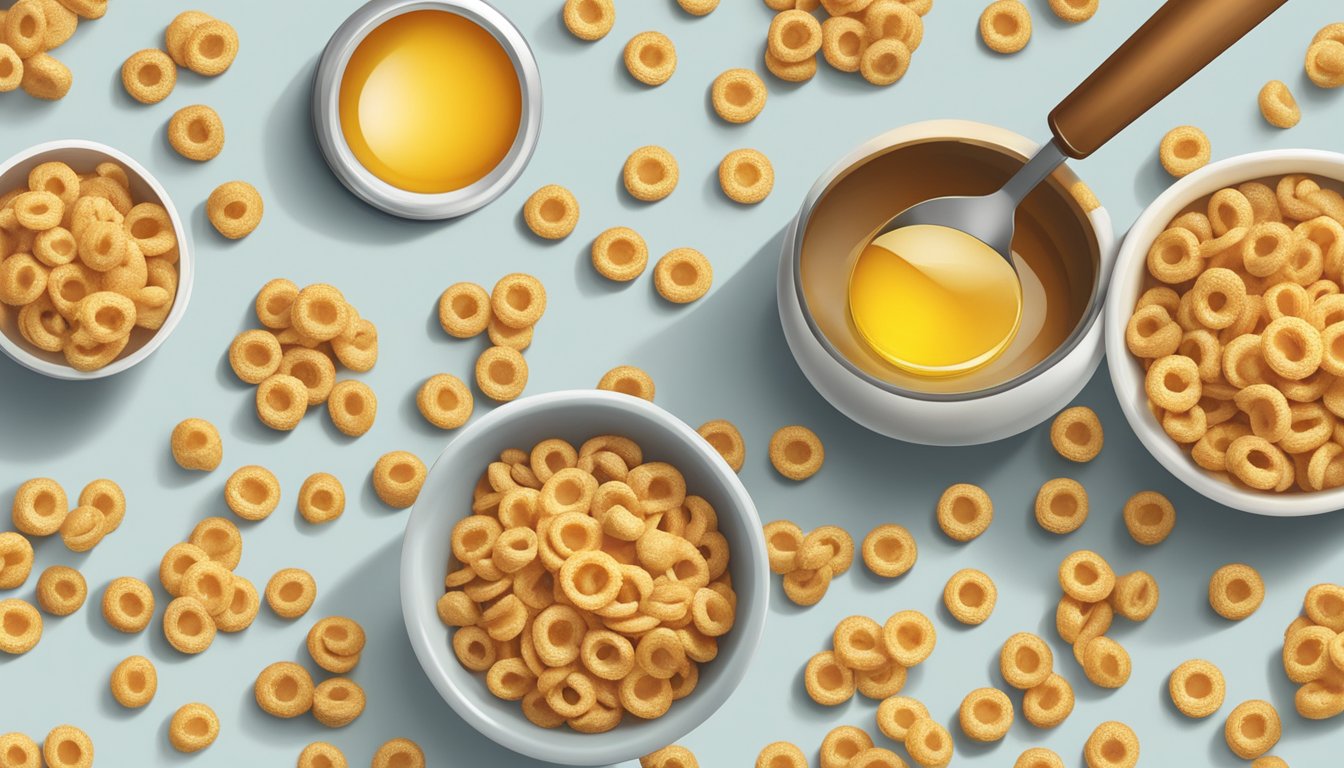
427,109
934,350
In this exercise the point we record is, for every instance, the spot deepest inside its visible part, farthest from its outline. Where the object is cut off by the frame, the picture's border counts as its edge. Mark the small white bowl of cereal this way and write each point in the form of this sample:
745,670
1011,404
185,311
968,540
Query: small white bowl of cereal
95,263
1225,331
613,592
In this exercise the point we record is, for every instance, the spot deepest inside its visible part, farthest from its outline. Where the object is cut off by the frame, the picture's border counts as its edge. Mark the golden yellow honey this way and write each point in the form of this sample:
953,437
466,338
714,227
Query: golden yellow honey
430,102
934,301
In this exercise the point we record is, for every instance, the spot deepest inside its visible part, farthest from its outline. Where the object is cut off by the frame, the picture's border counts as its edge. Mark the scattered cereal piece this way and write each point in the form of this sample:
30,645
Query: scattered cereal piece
698,7
1325,61
929,743
1106,663
188,626
1197,688
11,69
501,335
193,727
1252,729
1075,11
149,76
337,702
794,36
908,638
1050,703
210,48
1005,26
1149,517
1183,150
252,492
1086,576
894,19
970,596
1111,745
796,72
782,754
683,275
628,380
336,642
45,77
1061,505
501,373
589,19
16,560
796,452
727,440
254,356
352,407
746,176
67,747
285,689
464,310
320,754
783,540
1278,106
842,744
61,590
889,550
20,626
291,592
651,58
134,682
281,402
40,507
399,753
1135,596
650,173
196,445
235,209
397,478
964,512
178,31
1076,434
620,254
1235,591
1025,661
828,681
884,61
738,95
196,132
551,212
518,300
986,714
1324,605
444,401
128,604
1039,757
274,303
241,609
220,539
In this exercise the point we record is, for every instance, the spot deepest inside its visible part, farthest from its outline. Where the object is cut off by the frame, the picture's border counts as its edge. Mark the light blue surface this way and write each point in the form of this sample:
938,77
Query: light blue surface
721,357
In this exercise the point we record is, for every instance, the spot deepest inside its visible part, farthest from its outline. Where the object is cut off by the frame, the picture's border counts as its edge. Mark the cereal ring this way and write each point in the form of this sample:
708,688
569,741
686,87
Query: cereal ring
1111,745
1076,434
352,407
1325,63
727,440
284,689
210,48
650,173
969,596
1075,11
875,758
1025,661
24,26
797,72
335,644
643,695
196,445
1324,605
884,61
252,492
397,478
103,317
1175,256
908,638
254,356
796,452
220,540
234,208
1135,596
291,592
964,512
551,212
501,373
674,756
882,683
858,644
620,254
843,744
313,368
1197,688
1173,383
1292,348
464,310
793,36
1048,704
1151,333
128,605
1040,757
929,743
1307,653
683,275
589,19
44,77
784,754
514,338
895,715
209,582
843,40
1252,729
738,95
628,380
16,560
444,401
895,20
274,302
23,280
55,246
320,754
1061,505
20,627
151,229
197,133
650,58
783,540
986,714
193,727
746,176
82,529
1106,663
1278,106
320,312
282,401
337,702
11,69
241,609
1184,149
187,625
149,76
134,682
827,681
518,300
67,747
175,563
889,550
1086,576
1217,298
1005,26
1235,591
39,507
61,590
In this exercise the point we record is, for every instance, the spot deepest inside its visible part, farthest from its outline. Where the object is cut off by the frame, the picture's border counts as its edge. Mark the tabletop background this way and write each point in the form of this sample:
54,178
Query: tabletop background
723,356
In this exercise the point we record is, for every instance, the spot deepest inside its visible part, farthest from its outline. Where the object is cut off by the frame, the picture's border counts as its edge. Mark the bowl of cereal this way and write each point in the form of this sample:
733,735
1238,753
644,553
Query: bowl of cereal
95,263
583,577
1225,331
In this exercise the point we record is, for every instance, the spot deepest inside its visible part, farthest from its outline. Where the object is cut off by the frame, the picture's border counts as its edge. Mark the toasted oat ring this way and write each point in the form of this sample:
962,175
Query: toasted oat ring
796,452
793,36
210,48
1258,463
314,368
827,681
20,626
1173,383
1151,333
784,754
1086,576
842,744
1005,26
1218,298
1184,149
16,560
908,638
24,27
738,95
881,683
727,440
40,506
187,625
1175,256
175,563
875,757
683,275
804,587
1040,757
1196,688
1324,605
44,77
1235,591
220,539
397,478
589,19
336,642
241,609
196,445
1076,434
444,401
1252,729
986,714
620,254
650,173
1048,704
1278,106
1061,505
11,69
284,689
970,596
352,407
1025,661
675,756
103,317
128,605
858,644
1267,247
1111,745
551,212
884,61
1267,409
895,715
964,512
399,753
235,209
843,40
518,300
67,747
196,132
783,540
798,72
274,303
501,373
1309,652
746,176
464,310
281,402
894,20
252,492
628,380
193,727
1105,662
320,312
291,592
254,355
134,682
1292,348
651,58
1075,11
1135,596
889,550
337,702
929,743
149,76
61,590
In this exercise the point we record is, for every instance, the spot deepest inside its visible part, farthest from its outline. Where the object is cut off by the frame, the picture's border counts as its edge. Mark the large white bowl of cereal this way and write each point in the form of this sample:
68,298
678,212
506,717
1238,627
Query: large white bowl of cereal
585,619
1224,333
95,264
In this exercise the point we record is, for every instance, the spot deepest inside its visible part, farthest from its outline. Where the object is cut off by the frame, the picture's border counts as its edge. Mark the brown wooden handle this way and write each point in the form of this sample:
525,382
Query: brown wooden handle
1178,41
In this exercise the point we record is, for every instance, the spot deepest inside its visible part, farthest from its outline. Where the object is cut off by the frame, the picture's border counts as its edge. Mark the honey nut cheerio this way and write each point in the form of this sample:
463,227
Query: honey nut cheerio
1005,26
196,132
20,626
16,560
1061,505
1076,434
746,176
970,596
61,590
1197,688
149,76
235,209
196,445
964,512
650,173
738,95
589,19
628,380
193,727
291,592
551,212
1111,745
397,478
986,714
335,643
724,436
620,254
134,682
651,58
284,689
321,754
66,746
796,452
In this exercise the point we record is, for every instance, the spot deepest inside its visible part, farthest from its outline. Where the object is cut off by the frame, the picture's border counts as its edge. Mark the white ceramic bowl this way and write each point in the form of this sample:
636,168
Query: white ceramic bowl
1127,373
967,419
445,499
83,156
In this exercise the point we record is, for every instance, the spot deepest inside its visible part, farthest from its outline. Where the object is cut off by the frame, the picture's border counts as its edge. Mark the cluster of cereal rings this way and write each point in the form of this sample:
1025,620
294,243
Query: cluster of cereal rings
65,747
29,31
41,508
286,690
84,263
1242,333
1093,596
869,658
1026,663
292,359
1313,653
808,562
508,315
587,583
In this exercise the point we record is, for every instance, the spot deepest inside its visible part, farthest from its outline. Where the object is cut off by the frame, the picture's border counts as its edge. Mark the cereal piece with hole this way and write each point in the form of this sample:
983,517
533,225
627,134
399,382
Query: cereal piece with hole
1039,757
1076,434
1197,688
149,76
321,754
353,407
254,356
291,592
1135,596
551,212
11,69
909,638
589,19
1005,26
651,58
501,335
193,727
628,380
444,401
275,302
196,445
501,373
795,72
985,714
1086,576
134,682
1111,745
1324,605
620,254
1278,106
1236,591
252,492
16,560
314,368
1105,662
399,753
738,95
235,209
782,754
842,744
284,689
128,605
843,40
281,402
39,507
889,550
1184,149
929,743
1252,729
20,626
746,176
683,275
67,747
806,587
397,478
724,436
650,173
884,61
828,682
335,644
518,300
794,36
1048,704
964,512
464,310
1075,11
61,590
187,625
220,539
796,452
196,132
1061,505
1025,661
970,596
210,48
337,702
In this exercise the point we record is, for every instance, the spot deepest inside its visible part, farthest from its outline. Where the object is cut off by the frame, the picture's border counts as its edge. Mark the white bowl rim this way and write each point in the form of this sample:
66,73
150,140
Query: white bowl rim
1128,386
751,625
185,268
